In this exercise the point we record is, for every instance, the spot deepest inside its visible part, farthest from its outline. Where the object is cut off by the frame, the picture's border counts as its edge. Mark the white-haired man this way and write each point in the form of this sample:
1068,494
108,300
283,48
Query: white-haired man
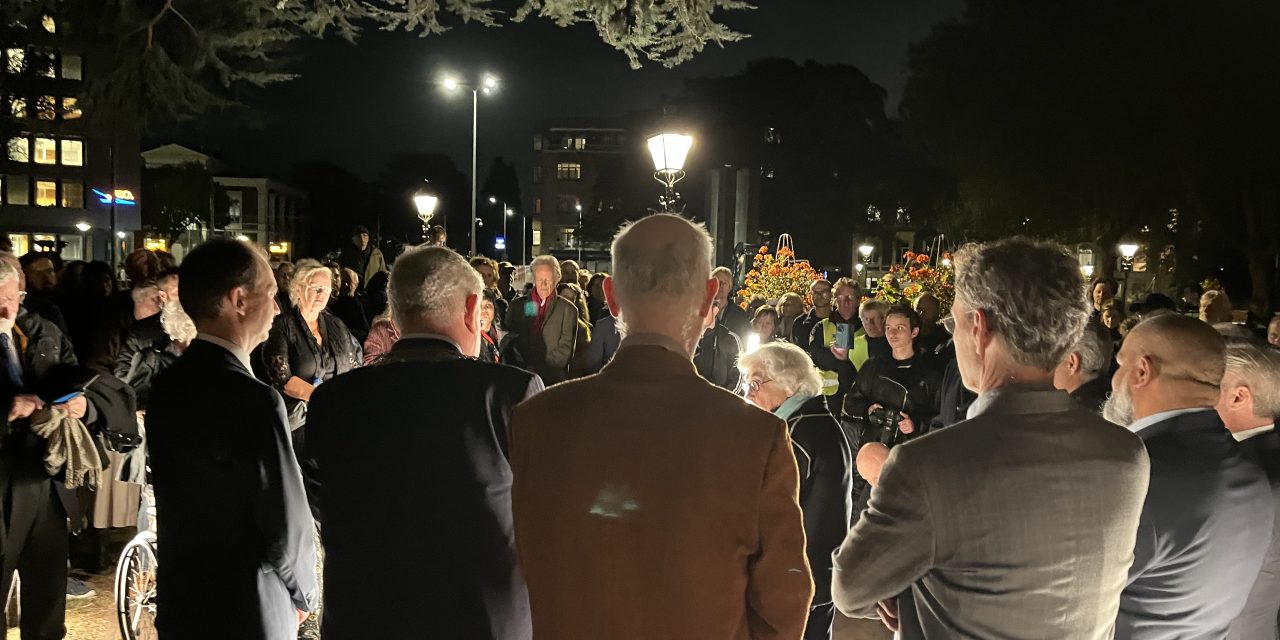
1018,522
544,325
1248,405
442,516
648,503
1083,373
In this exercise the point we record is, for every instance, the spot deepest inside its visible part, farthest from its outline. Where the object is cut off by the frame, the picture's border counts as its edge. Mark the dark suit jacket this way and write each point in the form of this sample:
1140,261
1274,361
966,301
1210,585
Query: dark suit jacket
1205,528
236,530
1018,523
412,461
1258,621
547,355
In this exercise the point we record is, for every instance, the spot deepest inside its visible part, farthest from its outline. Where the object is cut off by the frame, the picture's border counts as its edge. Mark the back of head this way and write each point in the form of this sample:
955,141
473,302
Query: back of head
211,271
429,288
1215,306
1185,350
1038,313
10,268
1257,366
1095,348
141,265
661,265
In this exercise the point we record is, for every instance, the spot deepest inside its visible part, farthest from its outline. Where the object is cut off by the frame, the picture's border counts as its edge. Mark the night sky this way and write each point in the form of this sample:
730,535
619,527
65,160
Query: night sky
356,105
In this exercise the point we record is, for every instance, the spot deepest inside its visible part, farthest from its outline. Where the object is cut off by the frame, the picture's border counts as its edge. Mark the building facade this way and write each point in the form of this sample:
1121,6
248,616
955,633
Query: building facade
63,186
575,177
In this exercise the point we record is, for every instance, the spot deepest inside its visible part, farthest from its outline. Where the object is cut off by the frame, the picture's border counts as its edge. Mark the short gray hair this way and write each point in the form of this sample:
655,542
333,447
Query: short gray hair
679,270
176,323
1258,367
302,274
786,364
1032,294
1095,348
547,261
10,268
430,283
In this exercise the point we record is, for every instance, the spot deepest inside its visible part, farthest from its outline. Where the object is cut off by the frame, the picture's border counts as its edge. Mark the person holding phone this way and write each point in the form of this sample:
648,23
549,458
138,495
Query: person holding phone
833,342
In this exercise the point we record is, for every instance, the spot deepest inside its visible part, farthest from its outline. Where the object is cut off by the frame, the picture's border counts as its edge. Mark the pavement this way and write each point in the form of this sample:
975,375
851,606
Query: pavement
90,618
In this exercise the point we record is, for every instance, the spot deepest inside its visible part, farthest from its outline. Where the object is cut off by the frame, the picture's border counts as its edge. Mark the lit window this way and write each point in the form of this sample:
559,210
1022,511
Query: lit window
46,108
21,243
18,107
72,67
575,144
72,152
235,211
15,60
16,190
71,109
46,151
72,194
19,150
46,193
568,171
48,24
42,62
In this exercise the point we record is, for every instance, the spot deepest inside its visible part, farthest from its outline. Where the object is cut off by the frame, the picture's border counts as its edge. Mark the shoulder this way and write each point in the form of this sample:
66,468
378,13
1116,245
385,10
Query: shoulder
36,327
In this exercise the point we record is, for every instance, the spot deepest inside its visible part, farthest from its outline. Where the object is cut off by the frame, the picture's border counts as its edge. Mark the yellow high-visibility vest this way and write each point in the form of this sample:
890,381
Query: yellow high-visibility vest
857,354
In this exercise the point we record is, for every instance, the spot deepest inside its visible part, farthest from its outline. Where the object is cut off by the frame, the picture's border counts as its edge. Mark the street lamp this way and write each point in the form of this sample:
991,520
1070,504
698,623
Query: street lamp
577,235
865,250
488,85
425,202
669,151
1127,251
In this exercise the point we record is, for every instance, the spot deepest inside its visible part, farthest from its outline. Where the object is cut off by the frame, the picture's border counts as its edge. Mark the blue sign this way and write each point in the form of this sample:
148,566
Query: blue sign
500,243
122,197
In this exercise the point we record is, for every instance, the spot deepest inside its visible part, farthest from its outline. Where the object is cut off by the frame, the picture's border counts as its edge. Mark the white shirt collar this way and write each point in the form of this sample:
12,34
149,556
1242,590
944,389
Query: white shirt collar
1139,425
1241,436
239,353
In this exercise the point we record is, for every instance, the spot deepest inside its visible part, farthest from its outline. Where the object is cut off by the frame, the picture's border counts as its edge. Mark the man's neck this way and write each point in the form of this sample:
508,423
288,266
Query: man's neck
226,332
822,312
1248,423
904,353
995,377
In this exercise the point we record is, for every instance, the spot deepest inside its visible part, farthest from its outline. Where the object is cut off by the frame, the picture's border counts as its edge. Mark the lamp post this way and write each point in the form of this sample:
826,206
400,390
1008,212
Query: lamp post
669,151
487,85
577,235
425,202
84,228
1127,251
865,250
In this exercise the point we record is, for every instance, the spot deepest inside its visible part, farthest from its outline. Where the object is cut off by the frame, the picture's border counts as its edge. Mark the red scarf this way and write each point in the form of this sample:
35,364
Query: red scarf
541,316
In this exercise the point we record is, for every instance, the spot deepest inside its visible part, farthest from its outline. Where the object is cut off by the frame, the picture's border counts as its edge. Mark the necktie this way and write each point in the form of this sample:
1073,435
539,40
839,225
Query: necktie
10,356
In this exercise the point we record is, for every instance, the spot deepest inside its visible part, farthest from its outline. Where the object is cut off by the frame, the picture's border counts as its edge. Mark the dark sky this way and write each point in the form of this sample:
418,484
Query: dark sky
358,104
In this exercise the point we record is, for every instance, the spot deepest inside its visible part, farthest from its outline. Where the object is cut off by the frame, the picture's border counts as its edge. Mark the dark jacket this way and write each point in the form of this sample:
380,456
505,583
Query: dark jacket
820,353
446,524
109,332
146,365
1259,618
802,329
366,263
236,527
1205,528
1092,394
919,379
825,460
953,398
350,310
291,351
145,334
550,354
45,305
604,343
717,357
736,319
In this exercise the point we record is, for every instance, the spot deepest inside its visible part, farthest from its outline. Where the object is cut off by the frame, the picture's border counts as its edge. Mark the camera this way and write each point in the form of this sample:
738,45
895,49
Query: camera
885,422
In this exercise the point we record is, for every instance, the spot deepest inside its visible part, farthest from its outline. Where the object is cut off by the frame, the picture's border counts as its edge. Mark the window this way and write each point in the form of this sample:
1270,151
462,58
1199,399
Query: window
15,60
21,243
16,190
71,109
72,194
568,171
18,107
19,150
46,108
72,152
72,67
46,151
46,193
575,143
42,63
48,24
567,204
235,211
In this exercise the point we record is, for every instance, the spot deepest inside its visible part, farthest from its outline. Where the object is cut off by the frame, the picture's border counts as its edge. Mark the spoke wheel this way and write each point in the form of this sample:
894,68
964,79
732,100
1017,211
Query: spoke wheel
136,589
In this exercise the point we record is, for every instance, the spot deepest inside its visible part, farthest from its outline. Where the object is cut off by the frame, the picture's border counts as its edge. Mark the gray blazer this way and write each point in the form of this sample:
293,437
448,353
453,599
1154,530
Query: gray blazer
1205,528
1259,620
1017,523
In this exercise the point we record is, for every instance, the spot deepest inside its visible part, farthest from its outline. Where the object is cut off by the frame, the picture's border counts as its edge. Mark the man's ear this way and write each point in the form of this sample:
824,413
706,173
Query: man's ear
1073,363
980,330
471,313
610,296
709,298
238,299
1144,372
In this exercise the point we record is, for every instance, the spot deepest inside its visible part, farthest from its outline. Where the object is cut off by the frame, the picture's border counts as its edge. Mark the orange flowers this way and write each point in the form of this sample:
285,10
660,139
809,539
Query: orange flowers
774,275
916,276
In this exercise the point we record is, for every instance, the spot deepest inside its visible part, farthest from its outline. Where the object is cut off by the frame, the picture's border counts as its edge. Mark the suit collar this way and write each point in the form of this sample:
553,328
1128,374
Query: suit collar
204,345
1154,419
423,347
1021,399
1241,436
650,360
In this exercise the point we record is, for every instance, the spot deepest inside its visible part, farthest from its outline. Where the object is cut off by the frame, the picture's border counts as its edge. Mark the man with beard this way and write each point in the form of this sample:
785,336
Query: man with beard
1208,515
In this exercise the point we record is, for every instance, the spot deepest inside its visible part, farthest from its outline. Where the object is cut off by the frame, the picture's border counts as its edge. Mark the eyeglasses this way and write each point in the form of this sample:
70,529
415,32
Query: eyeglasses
754,385
315,288
949,322
22,295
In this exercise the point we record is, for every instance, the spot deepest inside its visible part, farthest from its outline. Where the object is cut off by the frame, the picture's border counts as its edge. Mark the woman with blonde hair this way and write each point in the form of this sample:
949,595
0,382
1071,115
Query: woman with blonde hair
1215,306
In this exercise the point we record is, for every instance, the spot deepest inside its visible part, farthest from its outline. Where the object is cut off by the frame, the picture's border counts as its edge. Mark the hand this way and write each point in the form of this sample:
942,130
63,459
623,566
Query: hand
871,409
302,616
905,425
24,405
840,354
888,610
76,407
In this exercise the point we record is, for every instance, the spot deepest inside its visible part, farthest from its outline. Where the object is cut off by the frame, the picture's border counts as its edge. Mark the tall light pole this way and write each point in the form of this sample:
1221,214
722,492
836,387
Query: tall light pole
865,249
1127,252
487,85
577,235
669,151
506,213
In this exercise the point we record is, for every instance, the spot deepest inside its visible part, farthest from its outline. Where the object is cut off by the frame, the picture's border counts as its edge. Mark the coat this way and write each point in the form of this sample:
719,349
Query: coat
236,527
366,263
825,461
716,358
1017,523
1261,610
446,527
658,507
144,334
550,354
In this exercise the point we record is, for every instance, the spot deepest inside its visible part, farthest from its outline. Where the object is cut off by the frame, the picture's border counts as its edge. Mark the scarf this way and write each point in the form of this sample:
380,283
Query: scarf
792,405
68,445
540,311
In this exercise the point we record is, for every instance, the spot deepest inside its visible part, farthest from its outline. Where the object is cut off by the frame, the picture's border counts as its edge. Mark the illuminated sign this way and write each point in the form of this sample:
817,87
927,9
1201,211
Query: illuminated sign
122,197
278,248
499,243
155,244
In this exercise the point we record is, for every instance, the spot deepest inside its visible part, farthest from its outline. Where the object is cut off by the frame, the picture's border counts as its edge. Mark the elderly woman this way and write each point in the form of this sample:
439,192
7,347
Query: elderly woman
179,331
781,378
1215,307
307,346
545,325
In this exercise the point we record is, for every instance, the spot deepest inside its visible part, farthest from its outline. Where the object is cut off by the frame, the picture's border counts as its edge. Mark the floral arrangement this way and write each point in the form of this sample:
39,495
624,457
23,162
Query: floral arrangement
917,275
773,275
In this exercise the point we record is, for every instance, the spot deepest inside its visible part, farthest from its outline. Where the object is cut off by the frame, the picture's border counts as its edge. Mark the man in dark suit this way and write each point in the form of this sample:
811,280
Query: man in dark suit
237,533
439,546
1207,520
1083,373
1248,406
1018,522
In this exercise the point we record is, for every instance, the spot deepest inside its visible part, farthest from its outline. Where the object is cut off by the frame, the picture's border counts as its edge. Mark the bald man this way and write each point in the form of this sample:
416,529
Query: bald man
659,506
1207,520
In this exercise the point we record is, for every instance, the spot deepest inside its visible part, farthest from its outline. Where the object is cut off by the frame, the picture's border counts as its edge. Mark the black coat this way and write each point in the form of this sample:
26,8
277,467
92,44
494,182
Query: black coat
145,334
920,376
1092,394
953,398
434,553
146,364
291,351
716,358
236,527
825,461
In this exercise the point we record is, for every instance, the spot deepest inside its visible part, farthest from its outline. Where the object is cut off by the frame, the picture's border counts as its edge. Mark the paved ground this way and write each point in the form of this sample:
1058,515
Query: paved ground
92,618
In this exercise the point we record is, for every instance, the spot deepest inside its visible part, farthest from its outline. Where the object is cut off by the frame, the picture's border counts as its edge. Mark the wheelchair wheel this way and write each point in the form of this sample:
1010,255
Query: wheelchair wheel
136,588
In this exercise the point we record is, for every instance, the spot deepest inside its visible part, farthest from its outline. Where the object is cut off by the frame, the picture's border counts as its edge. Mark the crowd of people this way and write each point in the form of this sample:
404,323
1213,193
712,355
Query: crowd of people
542,451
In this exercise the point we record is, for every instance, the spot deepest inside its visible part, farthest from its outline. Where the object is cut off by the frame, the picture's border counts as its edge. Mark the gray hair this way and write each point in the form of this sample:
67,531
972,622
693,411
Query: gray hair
547,261
430,283
1258,367
176,323
302,273
1032,295
1095,349
786,364
875,306
10,268
678,270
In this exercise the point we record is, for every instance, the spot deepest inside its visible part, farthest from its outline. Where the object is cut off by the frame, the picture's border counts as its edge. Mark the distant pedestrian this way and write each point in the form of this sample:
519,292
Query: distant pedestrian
362,256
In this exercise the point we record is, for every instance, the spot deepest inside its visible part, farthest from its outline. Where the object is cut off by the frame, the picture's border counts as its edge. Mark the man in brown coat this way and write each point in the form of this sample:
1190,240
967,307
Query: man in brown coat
657,506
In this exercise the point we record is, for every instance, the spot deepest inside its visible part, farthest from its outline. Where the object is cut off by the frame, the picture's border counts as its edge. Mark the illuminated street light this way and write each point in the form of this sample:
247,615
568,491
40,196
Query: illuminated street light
488,84
1127,252
669,151
425,202
84,227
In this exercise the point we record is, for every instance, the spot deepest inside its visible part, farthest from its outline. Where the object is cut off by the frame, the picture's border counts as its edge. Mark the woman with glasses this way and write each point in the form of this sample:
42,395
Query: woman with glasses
781,378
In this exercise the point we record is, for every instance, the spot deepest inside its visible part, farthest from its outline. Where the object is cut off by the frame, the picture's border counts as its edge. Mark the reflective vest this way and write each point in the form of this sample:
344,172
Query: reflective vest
857,355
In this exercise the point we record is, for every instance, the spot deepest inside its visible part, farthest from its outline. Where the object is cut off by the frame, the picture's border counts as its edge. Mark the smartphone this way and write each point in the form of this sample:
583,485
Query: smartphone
67,398
843,339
